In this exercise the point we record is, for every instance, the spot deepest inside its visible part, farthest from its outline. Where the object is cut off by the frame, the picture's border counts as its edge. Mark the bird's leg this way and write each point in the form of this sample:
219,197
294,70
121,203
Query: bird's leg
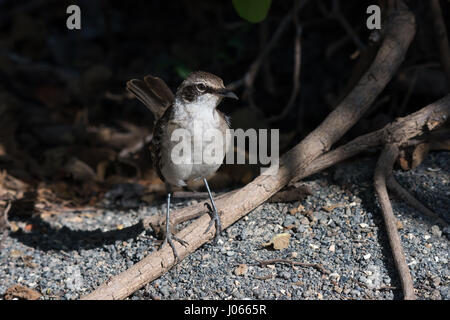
214,214
169,235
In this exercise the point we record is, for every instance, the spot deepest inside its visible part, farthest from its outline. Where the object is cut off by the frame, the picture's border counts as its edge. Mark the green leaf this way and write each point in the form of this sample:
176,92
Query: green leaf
182,71
252,10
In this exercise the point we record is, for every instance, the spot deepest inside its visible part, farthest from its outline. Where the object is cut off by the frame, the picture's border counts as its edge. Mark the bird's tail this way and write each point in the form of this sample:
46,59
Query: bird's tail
153,92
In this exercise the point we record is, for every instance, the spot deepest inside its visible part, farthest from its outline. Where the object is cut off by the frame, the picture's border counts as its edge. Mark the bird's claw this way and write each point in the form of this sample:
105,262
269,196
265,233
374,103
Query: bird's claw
215,219
168,240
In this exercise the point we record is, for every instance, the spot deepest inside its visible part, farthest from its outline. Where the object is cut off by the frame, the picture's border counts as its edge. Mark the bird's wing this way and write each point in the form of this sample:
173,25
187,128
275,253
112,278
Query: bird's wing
157,140
153,92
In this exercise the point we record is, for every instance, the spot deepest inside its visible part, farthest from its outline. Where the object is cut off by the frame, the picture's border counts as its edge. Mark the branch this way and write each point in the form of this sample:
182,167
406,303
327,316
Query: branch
382,171
393,184
295,76
317,266
441,37
293,164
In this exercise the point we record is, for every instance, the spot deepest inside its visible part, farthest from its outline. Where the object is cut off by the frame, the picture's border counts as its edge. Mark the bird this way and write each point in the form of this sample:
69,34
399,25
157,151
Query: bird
194,103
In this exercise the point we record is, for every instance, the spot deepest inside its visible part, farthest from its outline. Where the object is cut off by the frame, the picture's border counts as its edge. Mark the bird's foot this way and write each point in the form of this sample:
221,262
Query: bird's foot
168,239
215,219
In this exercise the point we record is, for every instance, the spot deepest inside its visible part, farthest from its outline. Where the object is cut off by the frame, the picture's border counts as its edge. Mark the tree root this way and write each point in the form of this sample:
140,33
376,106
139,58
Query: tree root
382,171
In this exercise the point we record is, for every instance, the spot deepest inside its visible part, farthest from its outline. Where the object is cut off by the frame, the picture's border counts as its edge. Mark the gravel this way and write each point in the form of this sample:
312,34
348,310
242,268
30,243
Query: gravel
67,255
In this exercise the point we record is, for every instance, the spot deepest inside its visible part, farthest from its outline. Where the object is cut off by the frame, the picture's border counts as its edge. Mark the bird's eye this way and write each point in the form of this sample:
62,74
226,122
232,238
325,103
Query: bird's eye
201,87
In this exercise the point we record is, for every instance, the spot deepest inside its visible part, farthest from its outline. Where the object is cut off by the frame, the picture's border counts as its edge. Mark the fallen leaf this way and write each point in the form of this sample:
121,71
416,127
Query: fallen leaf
241,270
13,226
21,292
16,254
279,242
332,207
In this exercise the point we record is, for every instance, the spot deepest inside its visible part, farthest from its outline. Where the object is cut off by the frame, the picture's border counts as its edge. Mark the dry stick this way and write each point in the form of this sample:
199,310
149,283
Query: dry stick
337,14
399,33
317,266
295,76
401,131
442,37
252,72
267,70
382,171
393,184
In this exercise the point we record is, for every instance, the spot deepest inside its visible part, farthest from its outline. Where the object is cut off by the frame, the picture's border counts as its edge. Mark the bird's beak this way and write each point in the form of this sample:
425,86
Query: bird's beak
227,93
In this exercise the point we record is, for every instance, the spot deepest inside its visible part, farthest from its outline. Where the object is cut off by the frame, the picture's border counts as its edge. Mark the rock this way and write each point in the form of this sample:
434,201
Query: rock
445,293
289,221
285,275
258,293
435,295
436,231
164,291
304,221
436,281
355,293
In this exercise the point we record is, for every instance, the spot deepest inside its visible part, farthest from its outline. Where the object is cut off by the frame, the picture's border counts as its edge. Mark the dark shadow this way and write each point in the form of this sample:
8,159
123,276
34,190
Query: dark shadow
45,237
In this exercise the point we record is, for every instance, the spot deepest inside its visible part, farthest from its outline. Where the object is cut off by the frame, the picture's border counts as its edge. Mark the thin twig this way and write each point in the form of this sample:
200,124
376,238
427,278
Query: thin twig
441,37
382,171
296,75
317,266
337,14
267,70
393,184
252,72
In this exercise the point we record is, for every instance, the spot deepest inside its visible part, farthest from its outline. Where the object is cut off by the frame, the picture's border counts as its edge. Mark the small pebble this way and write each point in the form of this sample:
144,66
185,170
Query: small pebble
436,231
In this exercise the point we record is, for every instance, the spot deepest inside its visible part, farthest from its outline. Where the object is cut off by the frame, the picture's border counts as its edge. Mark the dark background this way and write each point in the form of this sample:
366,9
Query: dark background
69,130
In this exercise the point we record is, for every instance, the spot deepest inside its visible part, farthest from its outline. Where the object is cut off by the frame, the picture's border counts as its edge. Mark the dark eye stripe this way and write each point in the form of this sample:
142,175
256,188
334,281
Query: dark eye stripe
189,92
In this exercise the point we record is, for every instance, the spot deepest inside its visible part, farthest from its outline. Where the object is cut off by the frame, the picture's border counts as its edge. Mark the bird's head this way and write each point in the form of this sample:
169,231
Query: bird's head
203,88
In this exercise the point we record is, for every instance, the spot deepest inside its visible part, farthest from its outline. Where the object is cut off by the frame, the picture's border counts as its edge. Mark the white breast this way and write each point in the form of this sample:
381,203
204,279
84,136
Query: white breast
196,118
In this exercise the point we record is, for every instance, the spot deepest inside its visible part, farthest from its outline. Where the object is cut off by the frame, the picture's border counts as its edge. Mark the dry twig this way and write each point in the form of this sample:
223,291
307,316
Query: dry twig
382,171
317,266
296,75
393,184
441,37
